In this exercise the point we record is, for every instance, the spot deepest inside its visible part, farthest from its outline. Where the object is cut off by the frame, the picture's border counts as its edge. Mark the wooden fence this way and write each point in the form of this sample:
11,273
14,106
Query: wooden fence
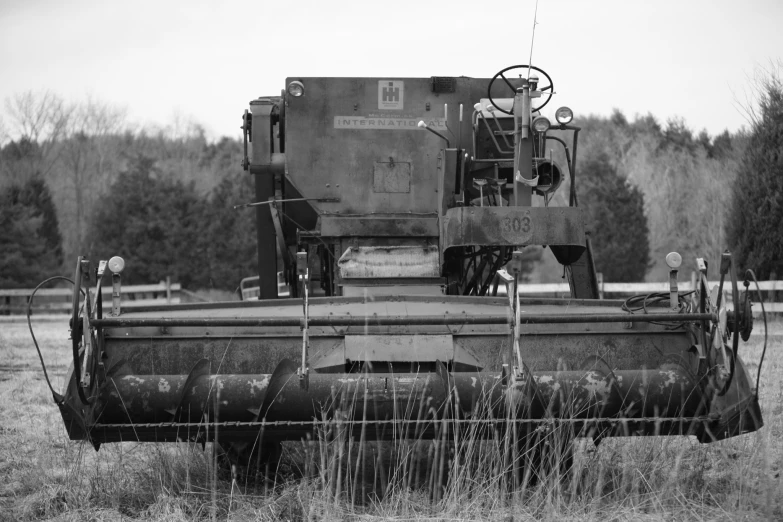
57,300
619,290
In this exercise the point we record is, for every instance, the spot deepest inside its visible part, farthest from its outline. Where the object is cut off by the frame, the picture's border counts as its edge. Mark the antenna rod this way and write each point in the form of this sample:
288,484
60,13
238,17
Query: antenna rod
459,128
532,39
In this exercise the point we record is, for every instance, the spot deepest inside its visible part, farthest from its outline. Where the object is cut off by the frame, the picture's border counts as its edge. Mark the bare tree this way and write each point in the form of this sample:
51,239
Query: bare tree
759,83
37,120
89,151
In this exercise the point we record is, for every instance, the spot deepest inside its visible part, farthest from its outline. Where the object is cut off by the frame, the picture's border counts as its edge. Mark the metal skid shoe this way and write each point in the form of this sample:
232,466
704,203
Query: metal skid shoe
534,448
262,456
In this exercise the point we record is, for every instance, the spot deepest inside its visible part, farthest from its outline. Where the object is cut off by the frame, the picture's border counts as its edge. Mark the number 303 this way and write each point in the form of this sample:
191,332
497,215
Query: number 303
516,224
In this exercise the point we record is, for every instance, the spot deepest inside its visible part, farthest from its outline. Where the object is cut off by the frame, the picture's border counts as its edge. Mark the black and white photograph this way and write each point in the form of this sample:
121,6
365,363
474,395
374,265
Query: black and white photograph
391,261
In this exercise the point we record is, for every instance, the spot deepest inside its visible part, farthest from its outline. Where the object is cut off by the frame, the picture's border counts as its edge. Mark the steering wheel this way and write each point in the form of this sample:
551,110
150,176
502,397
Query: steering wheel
549,87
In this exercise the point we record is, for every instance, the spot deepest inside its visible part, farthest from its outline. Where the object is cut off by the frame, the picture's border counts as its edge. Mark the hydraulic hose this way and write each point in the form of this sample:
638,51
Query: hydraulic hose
57,397
750,273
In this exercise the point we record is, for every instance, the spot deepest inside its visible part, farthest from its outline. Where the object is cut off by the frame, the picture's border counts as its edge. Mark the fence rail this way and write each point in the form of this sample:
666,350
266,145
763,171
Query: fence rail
768,289
14,301
55,300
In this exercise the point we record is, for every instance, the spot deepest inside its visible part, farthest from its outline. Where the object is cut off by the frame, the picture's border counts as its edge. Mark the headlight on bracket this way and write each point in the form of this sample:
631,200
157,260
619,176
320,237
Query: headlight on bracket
564,115
541,124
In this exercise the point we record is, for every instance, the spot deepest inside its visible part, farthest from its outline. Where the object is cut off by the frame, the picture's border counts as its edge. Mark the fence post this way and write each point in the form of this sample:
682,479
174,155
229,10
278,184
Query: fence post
600,279
771,296
168,289
693,280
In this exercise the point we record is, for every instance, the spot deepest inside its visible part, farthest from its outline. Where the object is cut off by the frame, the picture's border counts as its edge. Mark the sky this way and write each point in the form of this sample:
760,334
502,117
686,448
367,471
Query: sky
169,60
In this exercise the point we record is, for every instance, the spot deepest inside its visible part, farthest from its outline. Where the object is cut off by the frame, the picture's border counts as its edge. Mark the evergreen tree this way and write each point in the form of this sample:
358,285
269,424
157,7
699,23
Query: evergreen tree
755,227
30,246
230,233
35,194
154,223
615,217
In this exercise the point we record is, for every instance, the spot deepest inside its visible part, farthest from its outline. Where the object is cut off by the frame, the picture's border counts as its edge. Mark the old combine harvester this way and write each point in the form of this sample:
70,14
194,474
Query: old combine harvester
398,210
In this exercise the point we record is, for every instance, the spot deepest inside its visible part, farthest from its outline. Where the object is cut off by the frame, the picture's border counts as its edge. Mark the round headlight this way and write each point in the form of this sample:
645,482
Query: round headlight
296,89
563,115
541,124
674,260
116,264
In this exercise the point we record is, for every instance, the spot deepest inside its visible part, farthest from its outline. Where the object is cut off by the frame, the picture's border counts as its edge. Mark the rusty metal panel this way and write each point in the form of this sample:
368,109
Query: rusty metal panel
379,226
342,127
624,351
375,291
392,261
399,348
517,226
390,177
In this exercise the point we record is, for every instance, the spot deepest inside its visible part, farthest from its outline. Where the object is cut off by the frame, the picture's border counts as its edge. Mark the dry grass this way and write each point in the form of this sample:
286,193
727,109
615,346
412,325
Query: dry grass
47,477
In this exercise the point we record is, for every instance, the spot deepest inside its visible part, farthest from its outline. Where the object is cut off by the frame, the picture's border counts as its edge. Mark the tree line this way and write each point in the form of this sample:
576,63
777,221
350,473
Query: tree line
162,198
78,179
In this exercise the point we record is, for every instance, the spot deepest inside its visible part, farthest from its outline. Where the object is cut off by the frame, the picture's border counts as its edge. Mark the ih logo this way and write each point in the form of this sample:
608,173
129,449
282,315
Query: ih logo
390,94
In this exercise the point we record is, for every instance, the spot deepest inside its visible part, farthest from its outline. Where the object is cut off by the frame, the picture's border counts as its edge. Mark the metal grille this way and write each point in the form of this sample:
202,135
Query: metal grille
443,84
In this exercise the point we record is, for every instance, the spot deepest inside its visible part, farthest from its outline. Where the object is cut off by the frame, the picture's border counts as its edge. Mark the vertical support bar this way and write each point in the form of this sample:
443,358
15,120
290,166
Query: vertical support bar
674,293
261,168
168,289
600,278
516,271
265,235
523,147
303,273
115,294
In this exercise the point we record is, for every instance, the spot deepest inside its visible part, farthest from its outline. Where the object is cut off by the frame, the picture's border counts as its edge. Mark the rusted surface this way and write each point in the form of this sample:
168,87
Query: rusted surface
638,397
379,226
514,226
159,398
391,177
339,130
375,320
164,376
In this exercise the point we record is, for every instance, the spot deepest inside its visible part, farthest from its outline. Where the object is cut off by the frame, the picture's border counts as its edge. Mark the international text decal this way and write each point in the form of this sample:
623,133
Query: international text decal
390,95
377,123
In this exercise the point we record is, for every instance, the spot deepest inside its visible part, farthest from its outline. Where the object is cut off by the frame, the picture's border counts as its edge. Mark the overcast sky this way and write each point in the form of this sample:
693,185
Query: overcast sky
206,60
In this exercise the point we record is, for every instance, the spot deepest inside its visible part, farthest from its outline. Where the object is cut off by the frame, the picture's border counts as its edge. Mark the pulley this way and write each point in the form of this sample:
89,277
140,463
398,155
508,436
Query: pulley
744,323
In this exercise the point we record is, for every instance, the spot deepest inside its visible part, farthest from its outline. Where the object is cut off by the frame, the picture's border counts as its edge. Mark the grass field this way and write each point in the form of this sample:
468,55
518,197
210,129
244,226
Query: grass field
44,476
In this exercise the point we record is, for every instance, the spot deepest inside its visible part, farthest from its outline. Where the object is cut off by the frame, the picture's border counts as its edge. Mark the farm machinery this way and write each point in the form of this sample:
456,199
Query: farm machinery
398,211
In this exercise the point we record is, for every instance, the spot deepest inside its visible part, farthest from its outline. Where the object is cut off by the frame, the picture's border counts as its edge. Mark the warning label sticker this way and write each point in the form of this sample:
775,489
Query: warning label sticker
362,123
391,94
